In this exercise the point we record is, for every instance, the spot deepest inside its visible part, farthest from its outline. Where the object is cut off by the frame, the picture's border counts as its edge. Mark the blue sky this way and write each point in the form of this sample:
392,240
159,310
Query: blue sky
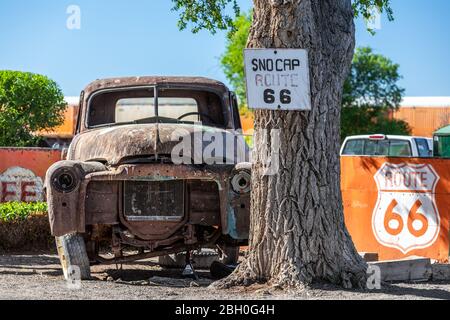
140,37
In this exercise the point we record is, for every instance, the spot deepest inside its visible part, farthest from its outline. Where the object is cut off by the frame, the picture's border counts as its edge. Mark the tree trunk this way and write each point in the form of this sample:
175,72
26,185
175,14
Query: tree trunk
298,234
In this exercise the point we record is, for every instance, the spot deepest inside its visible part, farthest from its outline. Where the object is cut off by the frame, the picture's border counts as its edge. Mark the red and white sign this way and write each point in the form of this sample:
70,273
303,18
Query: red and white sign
20,184
406,216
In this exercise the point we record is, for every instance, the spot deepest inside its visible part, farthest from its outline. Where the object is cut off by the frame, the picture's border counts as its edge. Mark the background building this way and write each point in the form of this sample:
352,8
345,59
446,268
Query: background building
425,115
62,135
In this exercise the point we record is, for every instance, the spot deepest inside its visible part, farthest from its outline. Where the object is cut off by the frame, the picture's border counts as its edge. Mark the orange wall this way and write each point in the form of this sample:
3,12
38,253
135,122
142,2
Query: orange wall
22,172
361,204
36,159
424,120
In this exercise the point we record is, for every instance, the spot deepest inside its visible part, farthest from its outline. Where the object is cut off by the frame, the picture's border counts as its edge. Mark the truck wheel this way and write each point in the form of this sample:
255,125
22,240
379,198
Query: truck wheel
229,255
72,254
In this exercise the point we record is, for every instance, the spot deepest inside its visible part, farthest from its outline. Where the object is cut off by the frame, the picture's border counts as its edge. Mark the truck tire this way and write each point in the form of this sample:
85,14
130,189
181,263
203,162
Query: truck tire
72,255
229,255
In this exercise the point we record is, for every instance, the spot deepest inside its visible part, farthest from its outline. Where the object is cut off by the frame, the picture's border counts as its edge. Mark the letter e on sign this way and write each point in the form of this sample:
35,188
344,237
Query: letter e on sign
277,79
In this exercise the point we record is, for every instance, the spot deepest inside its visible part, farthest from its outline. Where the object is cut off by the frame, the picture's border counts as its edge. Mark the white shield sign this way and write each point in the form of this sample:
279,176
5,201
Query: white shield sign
20,184
406,216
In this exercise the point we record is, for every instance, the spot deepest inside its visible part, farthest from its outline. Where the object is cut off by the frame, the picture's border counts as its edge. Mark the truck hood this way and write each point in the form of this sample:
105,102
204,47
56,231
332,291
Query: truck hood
117,144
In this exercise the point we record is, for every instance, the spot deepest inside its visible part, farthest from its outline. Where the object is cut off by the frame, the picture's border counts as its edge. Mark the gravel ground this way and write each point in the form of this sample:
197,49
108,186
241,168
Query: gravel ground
38,276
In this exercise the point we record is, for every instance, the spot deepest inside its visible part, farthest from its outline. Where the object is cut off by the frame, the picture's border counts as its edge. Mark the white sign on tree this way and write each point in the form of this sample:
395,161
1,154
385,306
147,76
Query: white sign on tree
277,79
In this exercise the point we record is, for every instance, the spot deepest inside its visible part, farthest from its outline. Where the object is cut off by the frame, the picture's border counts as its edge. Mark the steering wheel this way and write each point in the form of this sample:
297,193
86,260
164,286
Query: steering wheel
203,115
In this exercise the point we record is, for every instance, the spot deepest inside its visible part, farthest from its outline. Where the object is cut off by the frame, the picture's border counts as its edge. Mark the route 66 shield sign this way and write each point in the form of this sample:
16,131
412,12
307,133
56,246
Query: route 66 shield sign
406,216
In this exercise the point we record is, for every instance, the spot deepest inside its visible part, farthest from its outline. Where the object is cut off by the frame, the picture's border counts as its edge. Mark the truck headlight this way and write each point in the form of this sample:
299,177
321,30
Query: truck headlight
241,182
64,180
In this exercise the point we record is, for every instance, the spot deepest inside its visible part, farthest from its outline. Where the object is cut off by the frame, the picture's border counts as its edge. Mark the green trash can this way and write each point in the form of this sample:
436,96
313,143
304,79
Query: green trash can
442,142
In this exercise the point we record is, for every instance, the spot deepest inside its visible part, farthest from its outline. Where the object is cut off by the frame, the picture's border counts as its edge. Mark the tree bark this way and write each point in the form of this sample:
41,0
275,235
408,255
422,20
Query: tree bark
298,234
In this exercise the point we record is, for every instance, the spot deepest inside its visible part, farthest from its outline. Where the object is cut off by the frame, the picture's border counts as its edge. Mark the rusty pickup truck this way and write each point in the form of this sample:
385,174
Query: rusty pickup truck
158,166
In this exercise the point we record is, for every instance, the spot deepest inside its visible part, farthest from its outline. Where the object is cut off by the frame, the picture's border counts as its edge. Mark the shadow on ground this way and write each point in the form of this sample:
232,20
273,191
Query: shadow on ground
136,275
28,260
425,290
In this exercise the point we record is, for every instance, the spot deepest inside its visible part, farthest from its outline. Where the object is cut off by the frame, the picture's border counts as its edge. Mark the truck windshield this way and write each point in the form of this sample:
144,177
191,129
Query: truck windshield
367,147
150,105
133,109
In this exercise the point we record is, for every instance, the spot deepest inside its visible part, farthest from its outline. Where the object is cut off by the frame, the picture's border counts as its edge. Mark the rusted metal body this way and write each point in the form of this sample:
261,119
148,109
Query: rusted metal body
120,182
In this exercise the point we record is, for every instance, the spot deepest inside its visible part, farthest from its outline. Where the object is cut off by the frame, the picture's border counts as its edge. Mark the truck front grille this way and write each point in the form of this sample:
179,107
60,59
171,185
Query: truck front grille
154,200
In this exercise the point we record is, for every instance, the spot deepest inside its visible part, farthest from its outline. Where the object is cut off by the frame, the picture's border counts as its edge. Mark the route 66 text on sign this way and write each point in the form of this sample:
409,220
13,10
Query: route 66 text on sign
277,79
406,216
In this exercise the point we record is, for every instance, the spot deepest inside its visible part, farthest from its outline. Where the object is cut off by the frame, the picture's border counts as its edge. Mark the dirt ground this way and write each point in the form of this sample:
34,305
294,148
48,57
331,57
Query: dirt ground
38,276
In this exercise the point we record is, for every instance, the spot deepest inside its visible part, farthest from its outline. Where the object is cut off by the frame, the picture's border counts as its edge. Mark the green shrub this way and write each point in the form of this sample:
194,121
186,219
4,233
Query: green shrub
16,211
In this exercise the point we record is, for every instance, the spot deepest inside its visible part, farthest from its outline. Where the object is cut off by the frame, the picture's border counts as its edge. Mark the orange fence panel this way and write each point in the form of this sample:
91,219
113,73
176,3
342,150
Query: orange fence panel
397,207
22,172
